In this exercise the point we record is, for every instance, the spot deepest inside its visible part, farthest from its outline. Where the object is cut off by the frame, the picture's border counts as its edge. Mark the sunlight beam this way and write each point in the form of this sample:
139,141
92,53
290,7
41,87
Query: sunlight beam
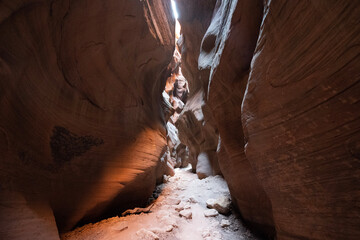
173,6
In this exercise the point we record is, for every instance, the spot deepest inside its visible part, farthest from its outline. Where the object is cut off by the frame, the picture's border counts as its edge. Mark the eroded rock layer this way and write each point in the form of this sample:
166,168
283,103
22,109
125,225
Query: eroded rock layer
81,127
274,102
234,28
301,117
196,125
290,153
225,57
197,131
194,17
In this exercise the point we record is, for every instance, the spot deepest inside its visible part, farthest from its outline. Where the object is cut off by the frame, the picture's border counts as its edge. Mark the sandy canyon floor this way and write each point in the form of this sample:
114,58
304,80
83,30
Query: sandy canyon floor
169,217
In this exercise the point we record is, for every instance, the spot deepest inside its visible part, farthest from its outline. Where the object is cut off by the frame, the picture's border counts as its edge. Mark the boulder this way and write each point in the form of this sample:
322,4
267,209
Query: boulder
186,214
221,204
179,208
210,213
225,223
203,166
146,235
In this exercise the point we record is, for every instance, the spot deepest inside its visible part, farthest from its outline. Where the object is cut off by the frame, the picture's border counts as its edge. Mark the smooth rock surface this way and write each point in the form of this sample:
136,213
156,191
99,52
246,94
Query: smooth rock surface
194,17
273,106
210,213
301,117
221,204
200,136
81,126
146,235
186,214
224,59
235,26
225,223
210,203
289,150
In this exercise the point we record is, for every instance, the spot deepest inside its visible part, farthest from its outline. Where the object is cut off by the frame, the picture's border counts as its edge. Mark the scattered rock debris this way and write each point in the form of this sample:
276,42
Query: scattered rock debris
146,235
137,210
186,214
225,223
176,212
221,204
211,213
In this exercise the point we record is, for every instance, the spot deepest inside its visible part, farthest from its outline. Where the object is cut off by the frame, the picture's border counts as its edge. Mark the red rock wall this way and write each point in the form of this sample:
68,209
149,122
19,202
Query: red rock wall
196,126
299,121
81,126
301,117
223,95
197,131
227,49
194,17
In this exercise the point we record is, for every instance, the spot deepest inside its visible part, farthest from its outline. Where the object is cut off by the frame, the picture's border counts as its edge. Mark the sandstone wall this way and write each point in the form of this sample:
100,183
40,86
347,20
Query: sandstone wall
227,50
194,17
81,127
289,149
197,131
301,117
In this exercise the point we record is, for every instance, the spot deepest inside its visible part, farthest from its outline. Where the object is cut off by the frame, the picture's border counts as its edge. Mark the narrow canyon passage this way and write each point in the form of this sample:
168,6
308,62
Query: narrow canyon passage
178,213
103,101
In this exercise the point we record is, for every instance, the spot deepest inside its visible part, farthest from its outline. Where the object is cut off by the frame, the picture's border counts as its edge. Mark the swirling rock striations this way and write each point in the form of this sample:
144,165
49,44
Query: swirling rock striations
194,17
301,117
233,33
82,122
290,149
197,132
196,125
81,127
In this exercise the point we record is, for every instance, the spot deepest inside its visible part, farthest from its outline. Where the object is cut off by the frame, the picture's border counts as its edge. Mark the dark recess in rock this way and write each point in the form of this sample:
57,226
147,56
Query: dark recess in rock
66,145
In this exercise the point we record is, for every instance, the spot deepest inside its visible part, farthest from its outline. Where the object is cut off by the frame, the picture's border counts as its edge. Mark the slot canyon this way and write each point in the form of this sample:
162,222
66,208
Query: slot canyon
180,119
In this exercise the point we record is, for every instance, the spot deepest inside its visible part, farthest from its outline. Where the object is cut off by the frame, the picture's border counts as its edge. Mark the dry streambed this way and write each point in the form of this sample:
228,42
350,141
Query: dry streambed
186,208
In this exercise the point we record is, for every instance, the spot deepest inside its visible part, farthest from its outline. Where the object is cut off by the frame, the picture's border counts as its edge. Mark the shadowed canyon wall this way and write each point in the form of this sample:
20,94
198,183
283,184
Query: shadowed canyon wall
196,125
301,117
195,17
283,88
224,97
81,127
197,131
274,105
232,36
